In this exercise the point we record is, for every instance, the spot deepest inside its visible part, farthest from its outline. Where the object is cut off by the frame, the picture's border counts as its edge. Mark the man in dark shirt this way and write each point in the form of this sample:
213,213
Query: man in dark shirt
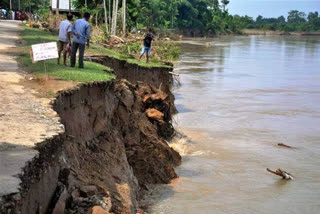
148,38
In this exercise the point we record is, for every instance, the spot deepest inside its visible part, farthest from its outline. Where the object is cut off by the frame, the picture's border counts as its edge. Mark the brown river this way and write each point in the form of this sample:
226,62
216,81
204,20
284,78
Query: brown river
239,97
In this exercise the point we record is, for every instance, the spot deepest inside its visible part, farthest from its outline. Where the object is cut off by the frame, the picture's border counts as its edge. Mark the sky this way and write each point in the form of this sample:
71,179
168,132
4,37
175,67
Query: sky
271,8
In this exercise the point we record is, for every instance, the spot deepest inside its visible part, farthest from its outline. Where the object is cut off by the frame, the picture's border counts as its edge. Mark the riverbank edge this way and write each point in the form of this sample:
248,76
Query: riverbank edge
44,170
270,32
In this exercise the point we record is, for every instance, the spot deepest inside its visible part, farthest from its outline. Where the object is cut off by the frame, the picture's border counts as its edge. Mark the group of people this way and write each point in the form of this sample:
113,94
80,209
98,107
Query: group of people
77,35
10,14
17,15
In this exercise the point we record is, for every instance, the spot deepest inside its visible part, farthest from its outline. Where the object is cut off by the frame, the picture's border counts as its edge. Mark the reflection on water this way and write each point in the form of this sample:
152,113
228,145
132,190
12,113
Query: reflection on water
240,97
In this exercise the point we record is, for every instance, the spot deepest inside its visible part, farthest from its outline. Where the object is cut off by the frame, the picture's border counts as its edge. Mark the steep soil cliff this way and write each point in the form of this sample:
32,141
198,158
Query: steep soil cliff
113,147
157,77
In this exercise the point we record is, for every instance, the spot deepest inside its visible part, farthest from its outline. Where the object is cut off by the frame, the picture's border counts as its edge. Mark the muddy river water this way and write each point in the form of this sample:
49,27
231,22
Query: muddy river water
241,96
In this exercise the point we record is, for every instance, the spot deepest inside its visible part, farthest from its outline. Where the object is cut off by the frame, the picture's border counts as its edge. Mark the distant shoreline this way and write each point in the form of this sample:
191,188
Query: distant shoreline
270,32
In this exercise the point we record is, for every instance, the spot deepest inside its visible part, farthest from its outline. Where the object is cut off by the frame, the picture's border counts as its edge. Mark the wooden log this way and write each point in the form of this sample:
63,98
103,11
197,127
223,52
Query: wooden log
284,145
173,74
285,175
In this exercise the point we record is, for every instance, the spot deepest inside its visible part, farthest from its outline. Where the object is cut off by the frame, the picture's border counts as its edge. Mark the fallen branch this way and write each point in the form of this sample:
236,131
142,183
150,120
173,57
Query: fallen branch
285,175
174,74
118,38
284,145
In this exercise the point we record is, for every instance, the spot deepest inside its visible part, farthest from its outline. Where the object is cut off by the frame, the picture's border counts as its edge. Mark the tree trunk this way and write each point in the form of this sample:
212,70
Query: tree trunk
97,18
110,22
105,15
50,9
114,17
124,11
172,20
113,14
57,8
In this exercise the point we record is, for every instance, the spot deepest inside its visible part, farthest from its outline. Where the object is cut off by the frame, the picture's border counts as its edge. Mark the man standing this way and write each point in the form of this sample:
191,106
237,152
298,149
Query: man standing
65,30
147,44
81,35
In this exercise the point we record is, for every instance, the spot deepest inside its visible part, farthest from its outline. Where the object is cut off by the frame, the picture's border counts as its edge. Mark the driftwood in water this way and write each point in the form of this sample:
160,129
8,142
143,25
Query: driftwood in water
174,74
285,175
284,145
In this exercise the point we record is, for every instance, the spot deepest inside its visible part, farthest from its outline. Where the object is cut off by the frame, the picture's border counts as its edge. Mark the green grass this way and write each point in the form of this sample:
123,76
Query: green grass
91,72
33,36
100,50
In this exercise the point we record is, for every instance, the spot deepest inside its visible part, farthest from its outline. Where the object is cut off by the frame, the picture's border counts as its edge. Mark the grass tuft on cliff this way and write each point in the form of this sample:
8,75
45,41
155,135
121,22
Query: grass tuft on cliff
91,72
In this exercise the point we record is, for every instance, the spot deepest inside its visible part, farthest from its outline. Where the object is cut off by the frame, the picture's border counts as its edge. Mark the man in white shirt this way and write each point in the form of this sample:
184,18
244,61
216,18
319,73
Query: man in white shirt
65,31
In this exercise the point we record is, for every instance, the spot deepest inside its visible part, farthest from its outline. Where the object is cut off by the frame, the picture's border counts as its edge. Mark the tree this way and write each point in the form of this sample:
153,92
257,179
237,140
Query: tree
114,17
259,20
105,15
224,4
172,6
109,5
124,11
281,19
215,4
295,17
314,20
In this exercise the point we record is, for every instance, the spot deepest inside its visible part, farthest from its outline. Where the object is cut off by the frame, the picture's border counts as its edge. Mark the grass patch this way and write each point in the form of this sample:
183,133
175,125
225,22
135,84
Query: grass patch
100,50
34,36
91,72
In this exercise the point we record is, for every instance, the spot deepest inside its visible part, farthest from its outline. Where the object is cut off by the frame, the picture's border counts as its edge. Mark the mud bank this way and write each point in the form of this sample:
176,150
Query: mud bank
113,148
158,77
278,33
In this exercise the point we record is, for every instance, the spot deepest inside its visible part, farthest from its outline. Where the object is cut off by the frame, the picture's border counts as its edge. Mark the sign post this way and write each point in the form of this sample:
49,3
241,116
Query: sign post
43,52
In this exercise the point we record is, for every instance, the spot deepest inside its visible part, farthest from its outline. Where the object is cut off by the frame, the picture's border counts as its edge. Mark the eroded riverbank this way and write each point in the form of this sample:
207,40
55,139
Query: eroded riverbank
113,149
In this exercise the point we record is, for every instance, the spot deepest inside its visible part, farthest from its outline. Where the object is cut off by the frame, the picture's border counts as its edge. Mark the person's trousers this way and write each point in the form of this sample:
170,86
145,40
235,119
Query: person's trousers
75,47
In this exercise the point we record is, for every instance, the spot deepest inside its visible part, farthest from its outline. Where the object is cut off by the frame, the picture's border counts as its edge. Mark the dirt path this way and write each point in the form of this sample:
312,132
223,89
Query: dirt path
24,119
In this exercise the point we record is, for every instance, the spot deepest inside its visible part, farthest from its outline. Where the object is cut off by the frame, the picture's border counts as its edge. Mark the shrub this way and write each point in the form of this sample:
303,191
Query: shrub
168,52
131,49
97,35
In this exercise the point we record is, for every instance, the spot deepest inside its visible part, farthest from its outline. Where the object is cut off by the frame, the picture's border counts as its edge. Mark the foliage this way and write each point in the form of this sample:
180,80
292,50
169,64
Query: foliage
296,21
98,35
168,52
192,17
131,49
34,5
